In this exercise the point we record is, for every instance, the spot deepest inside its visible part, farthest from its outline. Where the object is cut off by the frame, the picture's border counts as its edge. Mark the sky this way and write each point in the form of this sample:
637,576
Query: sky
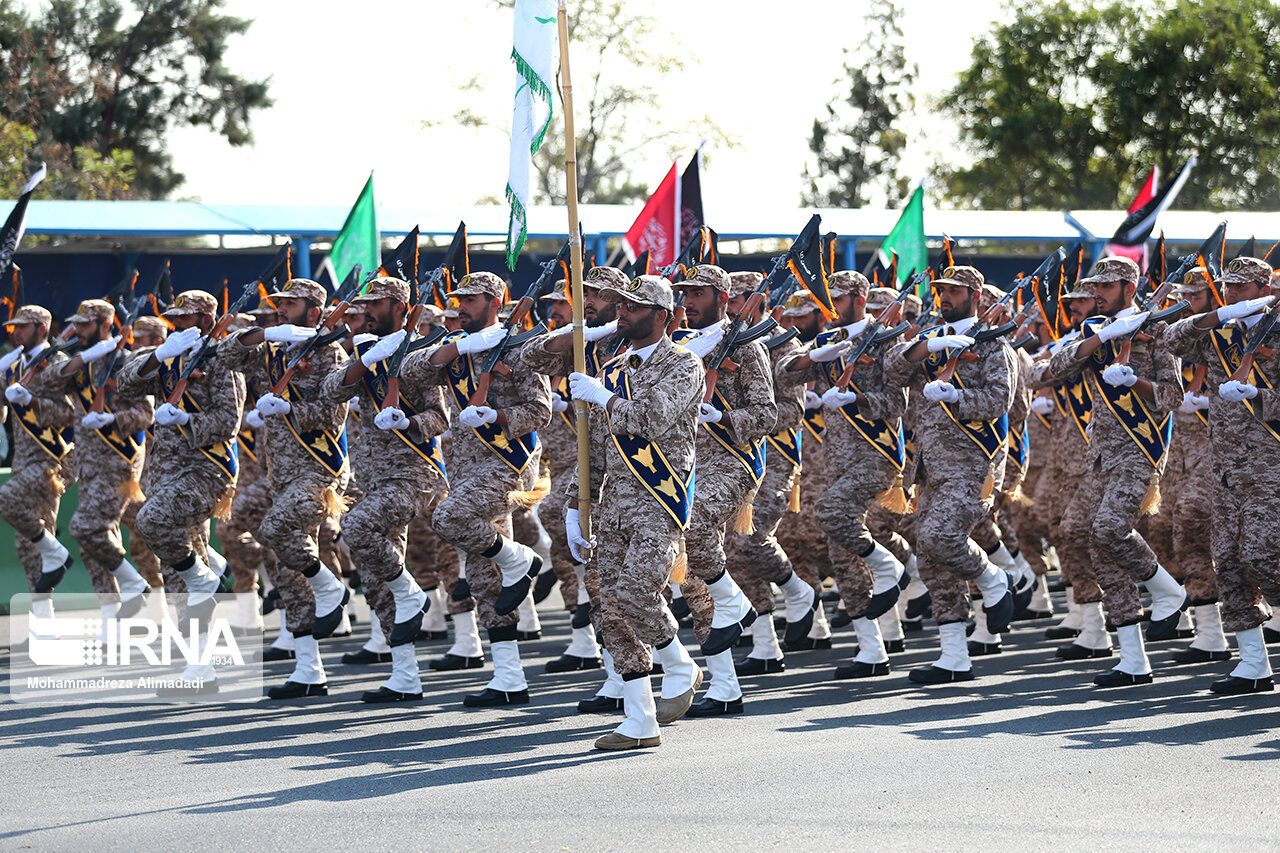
374,91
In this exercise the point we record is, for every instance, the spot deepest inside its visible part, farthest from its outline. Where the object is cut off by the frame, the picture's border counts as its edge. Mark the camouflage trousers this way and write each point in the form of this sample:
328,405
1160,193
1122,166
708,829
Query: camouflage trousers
1178,533
177,502
636,551
376,531
476,510
551,513
798,533
841,512
1121,557
722,486
949,504
96,528
1246,550
1070,510
886,528
758,560
433,562
29,504
1030,529
238,534
291,527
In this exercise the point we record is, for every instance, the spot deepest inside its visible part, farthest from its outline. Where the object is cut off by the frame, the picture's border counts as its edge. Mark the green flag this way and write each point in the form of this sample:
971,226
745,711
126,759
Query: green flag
907,239
357,242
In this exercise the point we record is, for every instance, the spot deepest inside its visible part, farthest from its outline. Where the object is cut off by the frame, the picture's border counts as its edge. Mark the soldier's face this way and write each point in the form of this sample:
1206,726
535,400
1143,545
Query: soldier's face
292,310
850,307
735,304
955,302
562,314
185,321
1199,301
703,305
1080,309
637,322
381,316
809,325
1114,296
27,335
266,321
595,310
92,331
477,311
1240,292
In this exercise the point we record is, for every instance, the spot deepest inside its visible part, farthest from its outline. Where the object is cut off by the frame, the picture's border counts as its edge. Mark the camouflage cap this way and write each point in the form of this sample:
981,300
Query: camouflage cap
743,283
303,288
1113,268
355,308
852,282
705,275
800,304
450,311
880,298
1247,271
992,292
1083,290
265,306
92,310
962,277
431,314
32,314
559,293
652,290
599,277
912,305
1196,280
192,302
240,321
480,284
385,287
151,326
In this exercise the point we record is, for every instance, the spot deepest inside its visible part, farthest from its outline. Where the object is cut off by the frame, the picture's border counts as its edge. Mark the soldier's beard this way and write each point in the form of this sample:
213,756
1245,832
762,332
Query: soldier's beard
808,327
639,329
599,317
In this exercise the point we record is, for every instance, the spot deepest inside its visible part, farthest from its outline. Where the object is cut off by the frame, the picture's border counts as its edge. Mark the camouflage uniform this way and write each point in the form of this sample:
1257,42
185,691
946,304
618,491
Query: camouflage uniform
798,533
952,474
40,469
1178,533
1245,482
238,534
1121,476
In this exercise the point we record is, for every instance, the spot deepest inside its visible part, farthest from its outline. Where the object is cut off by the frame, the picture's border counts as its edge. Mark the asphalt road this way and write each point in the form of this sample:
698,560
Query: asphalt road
1027,757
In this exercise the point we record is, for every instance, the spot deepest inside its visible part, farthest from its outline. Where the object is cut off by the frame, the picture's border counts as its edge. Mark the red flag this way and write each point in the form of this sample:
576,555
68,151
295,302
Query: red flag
1148,190
656,229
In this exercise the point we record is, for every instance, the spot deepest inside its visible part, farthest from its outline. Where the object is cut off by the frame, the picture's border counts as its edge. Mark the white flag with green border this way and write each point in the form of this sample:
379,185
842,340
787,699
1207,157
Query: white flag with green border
535,55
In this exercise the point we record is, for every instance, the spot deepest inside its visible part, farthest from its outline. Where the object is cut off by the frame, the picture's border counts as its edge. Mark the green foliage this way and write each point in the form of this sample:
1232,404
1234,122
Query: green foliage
857,148
102,86
1069,104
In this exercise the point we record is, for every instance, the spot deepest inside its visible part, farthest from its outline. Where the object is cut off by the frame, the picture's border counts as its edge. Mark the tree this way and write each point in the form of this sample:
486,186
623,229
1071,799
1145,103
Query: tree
1070,104
93,82
73,172
857,148
621,58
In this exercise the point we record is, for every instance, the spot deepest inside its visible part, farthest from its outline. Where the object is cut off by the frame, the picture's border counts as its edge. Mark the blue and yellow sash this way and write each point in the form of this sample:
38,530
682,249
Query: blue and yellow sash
1229,342
751,454
126,446
909,445
1151,435
223,453
815,421
990,436
326,448
375,382
645,459
55,442
462,383
1019,445
788,444
879,433
1075,403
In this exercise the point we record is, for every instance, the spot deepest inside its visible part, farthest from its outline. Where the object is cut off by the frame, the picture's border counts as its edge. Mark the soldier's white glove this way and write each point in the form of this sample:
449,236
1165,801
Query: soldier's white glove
834,398
1191,403
589,389
1237,392
573,532
18,394
941,392
830,352
1120,375
942,342
391,419
97,420
254,419
288,333
354,404
480,341
596,333
269,404
383,349
363,338
7,360
195,345
558,403
703,344
1246,308
477,416
169,414
100,350
812,400
1043,405
709,414
1122,326
176,344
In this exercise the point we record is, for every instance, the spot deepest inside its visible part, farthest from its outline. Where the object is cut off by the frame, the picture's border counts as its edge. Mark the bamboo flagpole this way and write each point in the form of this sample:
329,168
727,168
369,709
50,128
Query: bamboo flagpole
575,275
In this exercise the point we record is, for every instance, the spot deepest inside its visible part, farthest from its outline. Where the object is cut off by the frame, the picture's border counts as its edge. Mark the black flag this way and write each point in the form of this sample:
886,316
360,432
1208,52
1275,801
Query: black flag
16,224
691,218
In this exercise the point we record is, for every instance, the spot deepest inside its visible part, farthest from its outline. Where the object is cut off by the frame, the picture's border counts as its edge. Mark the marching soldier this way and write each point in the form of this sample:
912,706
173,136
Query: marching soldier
192,464
1130,434
960,429
41,466
307,466
494,460
864,432
1244,426
643,430
401,473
